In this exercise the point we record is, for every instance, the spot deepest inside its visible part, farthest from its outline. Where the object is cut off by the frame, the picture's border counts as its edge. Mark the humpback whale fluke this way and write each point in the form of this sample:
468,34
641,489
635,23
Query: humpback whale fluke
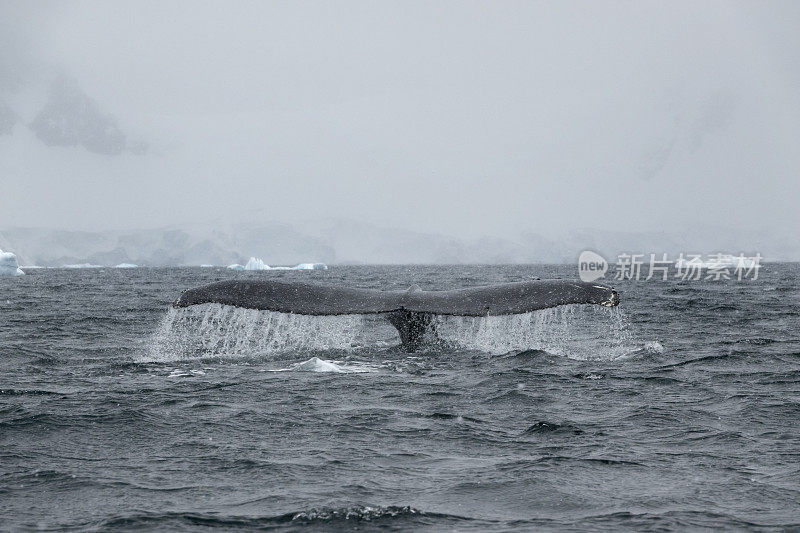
410,311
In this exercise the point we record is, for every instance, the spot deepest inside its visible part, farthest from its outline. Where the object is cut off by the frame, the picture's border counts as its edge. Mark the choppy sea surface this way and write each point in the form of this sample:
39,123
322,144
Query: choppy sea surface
678,410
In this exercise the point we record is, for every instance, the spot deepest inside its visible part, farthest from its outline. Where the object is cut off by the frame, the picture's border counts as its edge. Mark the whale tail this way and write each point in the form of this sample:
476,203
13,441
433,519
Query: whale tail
410,311
414,328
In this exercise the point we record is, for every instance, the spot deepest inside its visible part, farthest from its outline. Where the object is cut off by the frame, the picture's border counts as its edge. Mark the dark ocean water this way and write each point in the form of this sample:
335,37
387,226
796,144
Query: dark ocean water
679,409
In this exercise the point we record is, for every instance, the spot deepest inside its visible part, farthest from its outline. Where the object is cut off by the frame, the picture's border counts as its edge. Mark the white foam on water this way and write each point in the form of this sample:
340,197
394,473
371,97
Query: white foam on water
653,347
178,373
315,364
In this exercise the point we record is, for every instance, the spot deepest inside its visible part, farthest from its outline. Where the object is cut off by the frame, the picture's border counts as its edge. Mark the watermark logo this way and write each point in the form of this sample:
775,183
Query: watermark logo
690,267
591,266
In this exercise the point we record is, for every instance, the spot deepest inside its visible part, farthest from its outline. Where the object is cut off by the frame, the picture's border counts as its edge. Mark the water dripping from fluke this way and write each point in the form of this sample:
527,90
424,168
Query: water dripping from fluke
227,332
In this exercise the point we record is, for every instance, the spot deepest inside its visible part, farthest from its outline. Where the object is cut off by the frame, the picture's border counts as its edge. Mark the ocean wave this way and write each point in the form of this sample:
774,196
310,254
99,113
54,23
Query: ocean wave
105,415
605,461
676,521
361,516
358,513
551,427
457,418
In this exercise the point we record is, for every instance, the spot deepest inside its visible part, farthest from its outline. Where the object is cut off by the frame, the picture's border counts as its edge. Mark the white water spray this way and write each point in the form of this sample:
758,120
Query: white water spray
575,331
215,330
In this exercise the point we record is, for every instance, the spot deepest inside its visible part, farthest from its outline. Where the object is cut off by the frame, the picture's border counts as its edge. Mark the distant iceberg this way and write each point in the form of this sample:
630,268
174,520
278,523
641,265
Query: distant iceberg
257,264
236,266
9,265
311,266
126,265
82,265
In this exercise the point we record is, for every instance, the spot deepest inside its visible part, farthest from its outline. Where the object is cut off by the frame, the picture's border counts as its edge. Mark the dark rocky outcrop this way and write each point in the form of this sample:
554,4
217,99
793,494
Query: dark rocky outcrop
71,118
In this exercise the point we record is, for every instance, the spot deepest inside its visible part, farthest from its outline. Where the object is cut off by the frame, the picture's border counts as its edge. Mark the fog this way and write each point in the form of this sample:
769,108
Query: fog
464,118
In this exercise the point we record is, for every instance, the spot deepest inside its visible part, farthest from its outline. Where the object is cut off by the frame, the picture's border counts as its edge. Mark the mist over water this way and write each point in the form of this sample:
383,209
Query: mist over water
466,119
676,410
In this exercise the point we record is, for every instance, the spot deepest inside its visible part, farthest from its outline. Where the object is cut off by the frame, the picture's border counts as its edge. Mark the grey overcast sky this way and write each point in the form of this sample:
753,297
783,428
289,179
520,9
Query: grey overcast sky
460,117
